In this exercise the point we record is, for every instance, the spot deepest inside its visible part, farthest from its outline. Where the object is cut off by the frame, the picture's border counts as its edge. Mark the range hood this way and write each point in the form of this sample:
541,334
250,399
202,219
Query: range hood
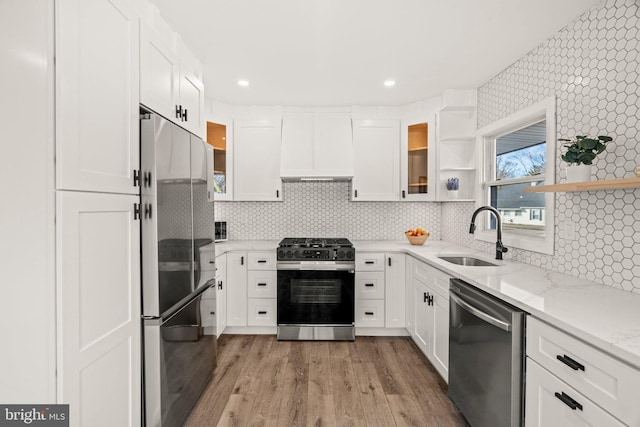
316,147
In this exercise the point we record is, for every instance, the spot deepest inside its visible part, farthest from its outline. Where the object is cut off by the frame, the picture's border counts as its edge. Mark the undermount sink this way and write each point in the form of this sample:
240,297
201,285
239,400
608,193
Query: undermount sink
468,261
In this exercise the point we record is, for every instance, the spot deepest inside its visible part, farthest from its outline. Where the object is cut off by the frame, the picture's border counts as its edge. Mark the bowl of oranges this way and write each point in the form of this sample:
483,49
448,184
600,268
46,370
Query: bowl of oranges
417,236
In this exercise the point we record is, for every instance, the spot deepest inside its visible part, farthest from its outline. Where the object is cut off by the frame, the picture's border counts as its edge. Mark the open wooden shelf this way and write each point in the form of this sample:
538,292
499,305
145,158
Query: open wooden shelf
609,184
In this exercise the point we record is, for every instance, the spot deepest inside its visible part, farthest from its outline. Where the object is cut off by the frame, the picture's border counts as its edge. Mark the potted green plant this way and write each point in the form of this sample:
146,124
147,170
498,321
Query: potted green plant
580,154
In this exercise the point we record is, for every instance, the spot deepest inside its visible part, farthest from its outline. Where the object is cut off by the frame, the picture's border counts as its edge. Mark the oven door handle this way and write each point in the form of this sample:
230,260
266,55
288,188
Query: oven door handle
316,267
480,314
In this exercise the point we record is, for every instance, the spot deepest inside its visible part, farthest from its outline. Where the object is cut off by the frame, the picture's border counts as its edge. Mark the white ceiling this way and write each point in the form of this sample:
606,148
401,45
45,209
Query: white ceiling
339,52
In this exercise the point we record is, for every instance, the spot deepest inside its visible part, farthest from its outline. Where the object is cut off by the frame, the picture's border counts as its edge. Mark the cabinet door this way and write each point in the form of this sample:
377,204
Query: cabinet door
221,294
192,103
423,316
545,403
376,145
417,160
394,291
98,275
256,165
97,67
439,351
409,296
159,74
237,289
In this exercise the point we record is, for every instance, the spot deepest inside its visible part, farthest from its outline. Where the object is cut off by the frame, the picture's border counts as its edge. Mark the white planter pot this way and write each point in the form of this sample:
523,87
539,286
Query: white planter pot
578,173
453,194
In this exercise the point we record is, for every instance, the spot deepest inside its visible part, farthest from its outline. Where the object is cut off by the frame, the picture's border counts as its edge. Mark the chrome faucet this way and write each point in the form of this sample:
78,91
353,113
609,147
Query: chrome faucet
500,248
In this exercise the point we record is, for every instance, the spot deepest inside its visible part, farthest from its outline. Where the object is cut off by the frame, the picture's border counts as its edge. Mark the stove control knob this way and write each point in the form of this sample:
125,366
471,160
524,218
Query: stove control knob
340,254
289,254
280,254
349,254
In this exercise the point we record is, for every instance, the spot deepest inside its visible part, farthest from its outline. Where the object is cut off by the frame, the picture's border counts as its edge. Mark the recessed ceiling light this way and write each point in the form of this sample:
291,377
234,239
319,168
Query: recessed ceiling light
389,83
243,82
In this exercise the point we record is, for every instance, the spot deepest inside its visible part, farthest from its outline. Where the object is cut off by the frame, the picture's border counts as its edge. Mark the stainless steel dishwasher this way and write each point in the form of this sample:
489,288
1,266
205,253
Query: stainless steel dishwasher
486,357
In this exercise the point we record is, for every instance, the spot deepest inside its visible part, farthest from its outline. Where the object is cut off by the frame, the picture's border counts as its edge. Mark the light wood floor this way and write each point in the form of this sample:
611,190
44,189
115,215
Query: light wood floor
374,381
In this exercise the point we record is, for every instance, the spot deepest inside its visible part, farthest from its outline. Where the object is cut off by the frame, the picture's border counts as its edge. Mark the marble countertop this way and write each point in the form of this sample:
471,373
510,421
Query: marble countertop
605,317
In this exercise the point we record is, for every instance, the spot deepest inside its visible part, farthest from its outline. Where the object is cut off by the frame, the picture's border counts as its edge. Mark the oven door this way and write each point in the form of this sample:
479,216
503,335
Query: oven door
316,296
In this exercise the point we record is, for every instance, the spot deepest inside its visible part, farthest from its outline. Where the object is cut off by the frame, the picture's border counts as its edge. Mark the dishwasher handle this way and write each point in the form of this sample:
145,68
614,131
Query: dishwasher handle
480,314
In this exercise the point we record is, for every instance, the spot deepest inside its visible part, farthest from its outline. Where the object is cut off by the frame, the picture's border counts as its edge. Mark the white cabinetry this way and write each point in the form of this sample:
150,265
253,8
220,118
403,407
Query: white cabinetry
376,147
236,289
96,96
394,300
256,163
221,294
456,153
167,86
379,290
316,144
430,329
417,159
213,305
576,384
97,237
261,282
98,270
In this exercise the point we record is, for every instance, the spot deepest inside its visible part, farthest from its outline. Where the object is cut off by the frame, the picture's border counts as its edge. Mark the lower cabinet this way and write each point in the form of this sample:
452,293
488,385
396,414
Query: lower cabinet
236,288
262,312
380,290
570,383
551,402
429,308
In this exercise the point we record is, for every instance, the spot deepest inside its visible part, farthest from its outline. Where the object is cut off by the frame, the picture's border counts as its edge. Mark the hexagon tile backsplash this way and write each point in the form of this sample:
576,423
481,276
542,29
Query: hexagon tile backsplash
592,67
323,209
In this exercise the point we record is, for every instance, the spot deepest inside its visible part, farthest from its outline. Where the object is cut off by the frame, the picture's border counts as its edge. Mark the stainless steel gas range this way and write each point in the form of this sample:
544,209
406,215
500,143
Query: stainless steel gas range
316,284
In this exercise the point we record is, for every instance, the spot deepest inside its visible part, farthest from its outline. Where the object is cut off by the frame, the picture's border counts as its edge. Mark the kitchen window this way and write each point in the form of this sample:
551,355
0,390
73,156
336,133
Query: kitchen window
519,151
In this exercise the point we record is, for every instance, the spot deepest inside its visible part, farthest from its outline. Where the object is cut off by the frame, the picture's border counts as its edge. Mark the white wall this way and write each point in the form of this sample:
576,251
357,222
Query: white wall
591,66
27,287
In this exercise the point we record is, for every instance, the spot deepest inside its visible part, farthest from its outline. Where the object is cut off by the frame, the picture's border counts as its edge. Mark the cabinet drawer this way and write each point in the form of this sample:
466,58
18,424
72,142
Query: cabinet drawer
613,385
369,285
544,407
261,260
261,284
261,312
369,313
369,262
208,312
207,261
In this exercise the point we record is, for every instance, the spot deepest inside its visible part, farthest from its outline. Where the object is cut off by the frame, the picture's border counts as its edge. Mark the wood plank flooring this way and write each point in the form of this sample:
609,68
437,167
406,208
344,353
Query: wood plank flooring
374,381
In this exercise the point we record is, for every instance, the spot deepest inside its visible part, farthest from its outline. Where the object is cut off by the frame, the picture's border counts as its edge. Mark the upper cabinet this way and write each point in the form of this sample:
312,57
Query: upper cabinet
457,125
376,149
256,163
317,145
167,85
97,64
417,160
220,138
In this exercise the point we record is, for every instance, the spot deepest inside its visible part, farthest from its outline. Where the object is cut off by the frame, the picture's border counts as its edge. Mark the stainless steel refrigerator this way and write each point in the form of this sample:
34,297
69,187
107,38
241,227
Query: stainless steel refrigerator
178,358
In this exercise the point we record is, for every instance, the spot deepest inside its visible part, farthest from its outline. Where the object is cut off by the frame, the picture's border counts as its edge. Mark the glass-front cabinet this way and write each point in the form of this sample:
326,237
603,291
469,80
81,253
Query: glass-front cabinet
219,136
418,162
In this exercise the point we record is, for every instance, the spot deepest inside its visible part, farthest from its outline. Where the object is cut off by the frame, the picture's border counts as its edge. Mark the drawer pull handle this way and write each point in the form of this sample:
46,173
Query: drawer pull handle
369,313
570,362
262,261
369,262
262,284
568,401
212,262
262,312
369,284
